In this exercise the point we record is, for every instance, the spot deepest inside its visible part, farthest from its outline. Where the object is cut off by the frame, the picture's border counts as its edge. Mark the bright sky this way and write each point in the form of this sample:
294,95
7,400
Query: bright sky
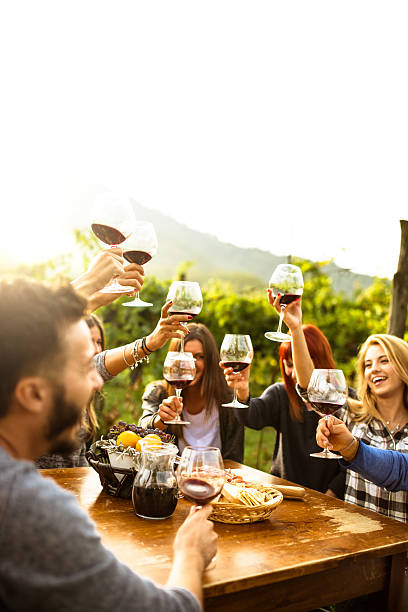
279,125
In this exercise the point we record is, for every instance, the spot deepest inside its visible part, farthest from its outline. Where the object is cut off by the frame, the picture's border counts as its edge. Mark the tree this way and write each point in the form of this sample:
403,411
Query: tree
399,298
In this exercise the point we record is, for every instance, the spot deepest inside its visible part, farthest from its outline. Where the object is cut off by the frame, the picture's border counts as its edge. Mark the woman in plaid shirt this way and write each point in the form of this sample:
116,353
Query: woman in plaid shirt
379,418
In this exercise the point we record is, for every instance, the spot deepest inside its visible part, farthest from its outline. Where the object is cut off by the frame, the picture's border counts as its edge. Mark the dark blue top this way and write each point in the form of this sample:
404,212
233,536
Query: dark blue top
385,468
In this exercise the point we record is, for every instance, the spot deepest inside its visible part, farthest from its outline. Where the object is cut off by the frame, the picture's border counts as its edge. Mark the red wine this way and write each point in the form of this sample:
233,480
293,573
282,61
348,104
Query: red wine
198,491
180,383
286,298
107,234
326,407
138,257
237,366
178,312
154,502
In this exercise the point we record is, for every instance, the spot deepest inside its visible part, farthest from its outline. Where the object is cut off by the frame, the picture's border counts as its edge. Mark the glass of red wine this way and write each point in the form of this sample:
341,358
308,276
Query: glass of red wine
187,300
236,352
287,280
327,393
200,474
139,248
112,221
179,370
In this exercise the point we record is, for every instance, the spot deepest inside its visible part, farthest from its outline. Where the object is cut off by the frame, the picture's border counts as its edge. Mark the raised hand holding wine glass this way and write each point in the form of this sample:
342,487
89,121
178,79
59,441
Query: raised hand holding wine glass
327,393
286,282
112,221
179,371
139,248
236,352
186,299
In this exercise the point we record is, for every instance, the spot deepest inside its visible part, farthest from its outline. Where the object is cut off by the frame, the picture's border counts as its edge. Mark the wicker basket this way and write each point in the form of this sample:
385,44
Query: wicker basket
237,513
116,481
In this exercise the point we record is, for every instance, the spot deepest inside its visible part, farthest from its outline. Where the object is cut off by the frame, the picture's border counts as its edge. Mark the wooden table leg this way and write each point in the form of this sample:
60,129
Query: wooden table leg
396,585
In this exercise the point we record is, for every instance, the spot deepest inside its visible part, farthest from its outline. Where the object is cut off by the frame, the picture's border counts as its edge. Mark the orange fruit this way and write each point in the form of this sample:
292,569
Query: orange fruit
128,438
149,442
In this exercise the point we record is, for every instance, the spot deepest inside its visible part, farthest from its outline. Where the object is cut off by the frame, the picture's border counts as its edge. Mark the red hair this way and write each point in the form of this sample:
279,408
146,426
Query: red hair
322,357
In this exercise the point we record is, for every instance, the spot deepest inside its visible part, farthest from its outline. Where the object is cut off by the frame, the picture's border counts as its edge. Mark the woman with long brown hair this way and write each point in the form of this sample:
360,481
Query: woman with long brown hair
280,407
211,424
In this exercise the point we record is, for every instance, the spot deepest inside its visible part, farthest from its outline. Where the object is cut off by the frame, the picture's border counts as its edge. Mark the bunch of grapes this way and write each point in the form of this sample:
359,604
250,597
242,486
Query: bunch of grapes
115,430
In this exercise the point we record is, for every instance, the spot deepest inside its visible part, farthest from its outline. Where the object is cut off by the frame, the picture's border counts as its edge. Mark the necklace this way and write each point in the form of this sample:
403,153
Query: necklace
396,428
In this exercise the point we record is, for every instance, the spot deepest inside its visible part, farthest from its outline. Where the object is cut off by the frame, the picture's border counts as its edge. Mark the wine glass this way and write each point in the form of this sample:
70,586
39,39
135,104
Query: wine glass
327,392
139,248
112,221
179,371
187,299
201,476
236,352
287,280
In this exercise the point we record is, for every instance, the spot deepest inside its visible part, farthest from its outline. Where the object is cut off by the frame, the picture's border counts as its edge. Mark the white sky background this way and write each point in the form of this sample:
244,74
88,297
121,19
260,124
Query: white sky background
279,125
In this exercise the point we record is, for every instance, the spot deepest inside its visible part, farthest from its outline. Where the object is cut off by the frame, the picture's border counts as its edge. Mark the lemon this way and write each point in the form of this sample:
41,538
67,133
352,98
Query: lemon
149,442
128,438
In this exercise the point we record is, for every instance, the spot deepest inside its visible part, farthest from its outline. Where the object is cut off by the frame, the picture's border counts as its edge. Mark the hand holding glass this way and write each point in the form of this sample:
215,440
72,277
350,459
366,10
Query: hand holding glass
139,248
237,353
112,221
179,371
187,299
286,280
327,392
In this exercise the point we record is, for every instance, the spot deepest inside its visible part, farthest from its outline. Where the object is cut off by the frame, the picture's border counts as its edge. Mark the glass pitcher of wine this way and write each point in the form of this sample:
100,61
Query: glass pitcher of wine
155,491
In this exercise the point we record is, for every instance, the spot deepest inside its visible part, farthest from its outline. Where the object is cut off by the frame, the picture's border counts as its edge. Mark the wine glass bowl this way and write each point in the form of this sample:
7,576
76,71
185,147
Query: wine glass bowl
112,222
236,352
179,371
187,300
200,474
139,248
327,393
286,281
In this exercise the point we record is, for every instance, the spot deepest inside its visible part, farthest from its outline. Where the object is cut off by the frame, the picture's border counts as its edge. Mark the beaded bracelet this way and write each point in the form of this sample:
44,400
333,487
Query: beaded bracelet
135,353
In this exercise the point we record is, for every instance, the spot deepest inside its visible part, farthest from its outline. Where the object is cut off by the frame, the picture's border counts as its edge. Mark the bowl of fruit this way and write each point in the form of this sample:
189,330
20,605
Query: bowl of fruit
116,457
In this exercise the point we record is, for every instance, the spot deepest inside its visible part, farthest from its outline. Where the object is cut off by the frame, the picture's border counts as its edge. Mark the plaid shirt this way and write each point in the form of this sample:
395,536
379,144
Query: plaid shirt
361,491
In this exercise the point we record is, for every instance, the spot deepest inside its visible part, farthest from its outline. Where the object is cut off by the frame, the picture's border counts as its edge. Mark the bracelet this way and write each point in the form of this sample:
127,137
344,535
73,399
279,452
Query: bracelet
135,353
145,348
348,445
129,365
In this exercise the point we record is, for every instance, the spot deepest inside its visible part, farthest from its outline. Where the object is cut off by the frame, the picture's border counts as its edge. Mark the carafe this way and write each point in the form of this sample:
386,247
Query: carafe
155,491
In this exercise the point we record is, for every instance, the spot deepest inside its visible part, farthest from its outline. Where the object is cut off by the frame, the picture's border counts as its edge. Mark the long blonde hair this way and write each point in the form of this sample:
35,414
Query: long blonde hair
396,349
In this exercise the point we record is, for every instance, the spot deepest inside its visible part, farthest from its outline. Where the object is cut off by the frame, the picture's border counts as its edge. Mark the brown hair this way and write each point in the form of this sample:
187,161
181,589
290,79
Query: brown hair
90,420
396,350
33,319
321,355
213,385
93,321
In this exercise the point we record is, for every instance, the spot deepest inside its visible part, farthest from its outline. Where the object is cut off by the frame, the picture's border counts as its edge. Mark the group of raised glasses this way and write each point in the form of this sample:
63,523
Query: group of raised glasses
52,556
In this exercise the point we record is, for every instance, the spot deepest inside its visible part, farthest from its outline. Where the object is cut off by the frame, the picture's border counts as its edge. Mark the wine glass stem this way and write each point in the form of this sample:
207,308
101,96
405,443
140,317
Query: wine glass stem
235,398
182,343
281,319
178,394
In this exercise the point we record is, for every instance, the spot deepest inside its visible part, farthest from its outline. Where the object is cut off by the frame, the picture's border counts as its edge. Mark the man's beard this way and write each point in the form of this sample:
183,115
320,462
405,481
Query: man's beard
64,417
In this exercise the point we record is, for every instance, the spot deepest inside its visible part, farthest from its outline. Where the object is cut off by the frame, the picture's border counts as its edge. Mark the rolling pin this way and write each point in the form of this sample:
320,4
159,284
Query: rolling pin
288,491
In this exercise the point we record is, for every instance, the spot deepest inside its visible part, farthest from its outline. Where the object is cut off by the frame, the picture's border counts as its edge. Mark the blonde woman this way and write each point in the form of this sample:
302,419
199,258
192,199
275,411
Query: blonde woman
380,416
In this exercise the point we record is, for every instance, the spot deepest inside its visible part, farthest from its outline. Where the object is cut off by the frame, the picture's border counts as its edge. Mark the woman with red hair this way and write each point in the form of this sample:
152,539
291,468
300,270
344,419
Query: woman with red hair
280,407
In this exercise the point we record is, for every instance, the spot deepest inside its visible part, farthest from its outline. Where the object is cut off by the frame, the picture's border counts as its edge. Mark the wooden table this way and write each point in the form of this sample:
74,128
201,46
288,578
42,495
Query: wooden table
308,554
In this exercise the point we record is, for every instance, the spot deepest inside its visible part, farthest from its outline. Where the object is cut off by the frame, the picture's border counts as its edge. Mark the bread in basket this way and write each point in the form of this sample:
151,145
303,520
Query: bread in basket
245,502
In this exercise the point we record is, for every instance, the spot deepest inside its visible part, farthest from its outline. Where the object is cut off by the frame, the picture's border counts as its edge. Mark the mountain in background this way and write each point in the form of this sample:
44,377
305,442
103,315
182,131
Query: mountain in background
244,268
